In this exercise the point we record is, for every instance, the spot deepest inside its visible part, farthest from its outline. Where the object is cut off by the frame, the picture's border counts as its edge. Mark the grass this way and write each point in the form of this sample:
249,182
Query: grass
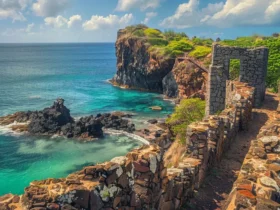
200,52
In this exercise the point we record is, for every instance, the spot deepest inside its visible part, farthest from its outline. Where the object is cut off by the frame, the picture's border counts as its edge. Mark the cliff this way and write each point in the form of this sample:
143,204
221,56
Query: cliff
137,67
186,79
148,59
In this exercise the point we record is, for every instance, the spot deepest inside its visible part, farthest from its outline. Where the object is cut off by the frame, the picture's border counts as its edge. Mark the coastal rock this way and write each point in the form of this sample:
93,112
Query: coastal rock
57,120
50,120
186,80
116,121
136,67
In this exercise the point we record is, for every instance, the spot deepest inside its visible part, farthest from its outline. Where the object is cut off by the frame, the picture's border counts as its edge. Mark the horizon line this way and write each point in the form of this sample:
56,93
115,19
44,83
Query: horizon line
56,42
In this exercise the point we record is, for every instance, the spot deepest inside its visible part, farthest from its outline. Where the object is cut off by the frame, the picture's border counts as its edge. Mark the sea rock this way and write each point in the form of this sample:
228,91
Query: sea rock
57,120
137,67
50,120
153,121
156,108
116,121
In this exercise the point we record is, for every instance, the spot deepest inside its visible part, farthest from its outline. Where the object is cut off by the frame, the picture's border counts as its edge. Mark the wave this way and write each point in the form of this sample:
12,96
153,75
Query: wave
7,129
131,135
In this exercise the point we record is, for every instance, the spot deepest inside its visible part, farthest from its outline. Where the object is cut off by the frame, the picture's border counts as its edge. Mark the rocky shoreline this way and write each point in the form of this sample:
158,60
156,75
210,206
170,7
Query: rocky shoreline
56,120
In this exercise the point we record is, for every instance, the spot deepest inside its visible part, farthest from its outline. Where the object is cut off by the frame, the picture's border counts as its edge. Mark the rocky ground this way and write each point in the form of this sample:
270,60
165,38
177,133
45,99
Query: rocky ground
217,186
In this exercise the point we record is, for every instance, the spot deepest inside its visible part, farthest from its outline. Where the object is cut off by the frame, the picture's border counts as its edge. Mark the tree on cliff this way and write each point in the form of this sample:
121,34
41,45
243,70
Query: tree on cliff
187,112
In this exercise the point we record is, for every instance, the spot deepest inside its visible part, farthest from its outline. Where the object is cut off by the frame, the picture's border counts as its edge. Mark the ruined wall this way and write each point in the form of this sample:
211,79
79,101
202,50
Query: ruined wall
208,140
137,181
253,68
258,184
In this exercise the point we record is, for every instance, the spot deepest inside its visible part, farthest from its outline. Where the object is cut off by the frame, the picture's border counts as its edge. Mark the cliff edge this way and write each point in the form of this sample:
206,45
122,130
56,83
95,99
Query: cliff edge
151,60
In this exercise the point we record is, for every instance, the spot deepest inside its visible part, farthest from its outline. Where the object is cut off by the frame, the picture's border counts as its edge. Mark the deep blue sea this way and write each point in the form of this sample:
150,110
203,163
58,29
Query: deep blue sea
32,76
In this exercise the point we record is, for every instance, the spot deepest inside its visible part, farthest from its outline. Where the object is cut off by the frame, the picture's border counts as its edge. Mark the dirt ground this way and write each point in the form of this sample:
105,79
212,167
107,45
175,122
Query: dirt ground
217,186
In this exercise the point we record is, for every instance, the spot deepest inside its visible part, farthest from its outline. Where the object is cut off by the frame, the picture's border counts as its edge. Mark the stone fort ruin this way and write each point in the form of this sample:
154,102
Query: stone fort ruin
253,68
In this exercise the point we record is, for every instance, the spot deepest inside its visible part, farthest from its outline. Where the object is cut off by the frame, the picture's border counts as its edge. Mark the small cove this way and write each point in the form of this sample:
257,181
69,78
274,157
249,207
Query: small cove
32,76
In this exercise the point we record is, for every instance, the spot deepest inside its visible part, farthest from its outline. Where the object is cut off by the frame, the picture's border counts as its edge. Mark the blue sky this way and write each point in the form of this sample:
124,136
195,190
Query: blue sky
99,20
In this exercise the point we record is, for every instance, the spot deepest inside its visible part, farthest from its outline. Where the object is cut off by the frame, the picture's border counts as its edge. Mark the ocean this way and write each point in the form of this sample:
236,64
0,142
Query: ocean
32,76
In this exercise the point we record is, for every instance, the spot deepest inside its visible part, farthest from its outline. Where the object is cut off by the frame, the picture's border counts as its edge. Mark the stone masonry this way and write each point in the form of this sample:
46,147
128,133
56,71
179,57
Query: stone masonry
258,183
253,68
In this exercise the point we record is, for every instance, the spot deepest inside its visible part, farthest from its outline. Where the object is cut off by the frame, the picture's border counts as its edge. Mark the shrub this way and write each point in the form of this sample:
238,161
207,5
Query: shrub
202,42
139,32
200,52
151,32
171,35
188,111
175,48
158,41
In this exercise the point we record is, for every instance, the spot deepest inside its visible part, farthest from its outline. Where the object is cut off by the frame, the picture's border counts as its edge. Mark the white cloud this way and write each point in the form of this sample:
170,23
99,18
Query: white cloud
56,22
188,15
49,8
111,21
60,21
13,9
225,14
126,5
74,20
149,16
27,30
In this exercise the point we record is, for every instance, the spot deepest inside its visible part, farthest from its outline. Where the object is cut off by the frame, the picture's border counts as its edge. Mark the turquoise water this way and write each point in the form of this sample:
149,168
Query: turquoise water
32,76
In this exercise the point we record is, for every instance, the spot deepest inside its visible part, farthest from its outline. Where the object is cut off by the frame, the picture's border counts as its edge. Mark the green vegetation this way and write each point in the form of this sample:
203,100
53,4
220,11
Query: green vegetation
175,48
171,44
273,43
153,33
202,42
171,35
234,69
188,111
200,52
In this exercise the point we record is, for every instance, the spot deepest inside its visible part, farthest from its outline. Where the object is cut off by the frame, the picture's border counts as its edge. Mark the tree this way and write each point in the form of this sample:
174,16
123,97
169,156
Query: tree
218,39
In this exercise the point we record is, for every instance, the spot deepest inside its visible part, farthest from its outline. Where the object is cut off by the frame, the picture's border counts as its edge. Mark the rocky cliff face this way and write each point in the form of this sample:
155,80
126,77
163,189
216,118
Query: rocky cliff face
137,68
186,80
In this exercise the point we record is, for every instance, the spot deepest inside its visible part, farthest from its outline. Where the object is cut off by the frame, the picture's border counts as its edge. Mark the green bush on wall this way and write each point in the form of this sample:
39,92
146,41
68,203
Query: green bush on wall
187,112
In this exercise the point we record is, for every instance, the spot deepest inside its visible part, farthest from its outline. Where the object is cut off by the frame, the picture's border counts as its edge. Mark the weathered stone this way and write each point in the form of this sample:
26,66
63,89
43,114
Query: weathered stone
95,201
138,167
268,182
265,204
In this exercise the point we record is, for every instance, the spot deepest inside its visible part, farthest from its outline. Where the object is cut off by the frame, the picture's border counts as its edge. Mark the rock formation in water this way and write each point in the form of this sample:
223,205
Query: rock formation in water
57,120
140,66
137,68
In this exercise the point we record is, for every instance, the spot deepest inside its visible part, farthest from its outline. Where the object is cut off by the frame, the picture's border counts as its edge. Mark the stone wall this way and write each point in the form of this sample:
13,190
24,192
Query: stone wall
137,181
209,139
258,184
253,69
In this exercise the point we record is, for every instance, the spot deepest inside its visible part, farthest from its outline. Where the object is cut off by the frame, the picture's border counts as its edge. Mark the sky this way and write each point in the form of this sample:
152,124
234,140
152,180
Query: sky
43,21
